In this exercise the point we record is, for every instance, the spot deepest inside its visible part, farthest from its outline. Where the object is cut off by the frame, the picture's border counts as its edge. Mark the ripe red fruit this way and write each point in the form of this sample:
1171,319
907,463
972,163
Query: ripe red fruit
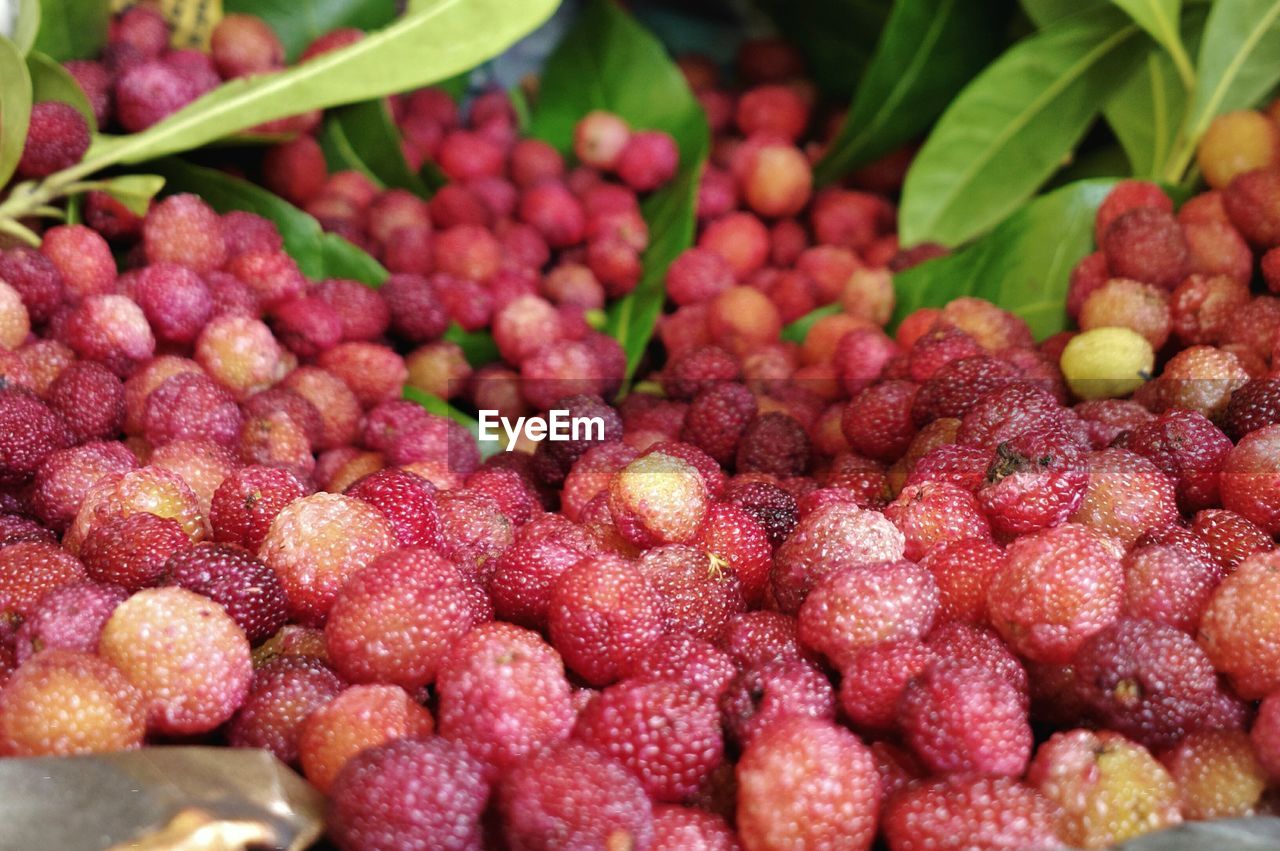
1253,406
864,604
1036,480
1169,584
70,617
603,614
248,500
772,110
285,690
648,160
1055,589
1187,448
1237,627
183,229
766,693
503,694
175,301
1252,202
409,793
962,570
1230,538
807,783
395,620
666,733
90,399
1128,195
1146,680
987,812
191,406
872,683
244,586
57,137
826,541
242,45
132,551
573,796
963,717
407,501
1146,244
684,659
935,513
1250,478
1127,496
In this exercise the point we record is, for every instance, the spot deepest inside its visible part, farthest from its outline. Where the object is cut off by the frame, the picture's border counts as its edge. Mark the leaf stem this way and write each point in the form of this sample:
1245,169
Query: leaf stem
1182,62
21,231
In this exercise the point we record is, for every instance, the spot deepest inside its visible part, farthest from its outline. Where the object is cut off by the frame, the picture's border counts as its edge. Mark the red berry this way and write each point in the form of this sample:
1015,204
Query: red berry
57,137
244,586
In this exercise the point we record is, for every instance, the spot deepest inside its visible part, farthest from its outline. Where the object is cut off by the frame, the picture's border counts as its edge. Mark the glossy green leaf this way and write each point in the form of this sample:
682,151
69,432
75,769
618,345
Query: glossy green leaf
837,37
1160,18
50,81
369,130
927,51
73,29
28,25
1010,129
1046,12
442,39
15,107
134,191
1024,265
608,61
300,23
1239,65
341,155
318,254
1148,108
477,346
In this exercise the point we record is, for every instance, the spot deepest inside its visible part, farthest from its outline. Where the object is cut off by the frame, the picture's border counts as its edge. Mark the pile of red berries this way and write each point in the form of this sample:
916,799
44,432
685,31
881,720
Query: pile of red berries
946,585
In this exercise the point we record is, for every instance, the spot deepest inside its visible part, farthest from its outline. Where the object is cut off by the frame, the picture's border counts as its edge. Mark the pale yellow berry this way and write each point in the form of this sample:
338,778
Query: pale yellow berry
1107,363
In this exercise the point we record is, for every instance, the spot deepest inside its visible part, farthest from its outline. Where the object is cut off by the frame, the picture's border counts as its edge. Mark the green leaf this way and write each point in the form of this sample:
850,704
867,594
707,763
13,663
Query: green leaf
927,52
134,191
15,107
1010,129
1043,13
444,38
50,81
441,408
341,155
1148,107
1158,17
318,254
368,129
608,61
73,29
28,25
1238,67
298,24
836,36
478,346
799,329
1024,265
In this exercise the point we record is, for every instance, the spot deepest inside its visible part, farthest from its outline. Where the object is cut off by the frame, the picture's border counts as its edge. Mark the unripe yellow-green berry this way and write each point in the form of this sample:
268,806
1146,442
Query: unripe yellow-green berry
1107,363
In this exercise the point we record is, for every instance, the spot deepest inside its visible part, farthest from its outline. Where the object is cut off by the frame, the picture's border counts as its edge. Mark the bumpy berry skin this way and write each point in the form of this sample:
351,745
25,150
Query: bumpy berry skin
503,694
831,538
1217,773
666,733
409,794
1056,588
246,502
132,551
1188,449
963,717
1147,245
29,433
57,137
1106,787
359,718
1127,496
1265,735
962,570
685,659
935,513
774,508
1253,406
394,621
407,501
284,692
525,573
871,685
1036,480
865,604
315,544
807,783
90,399
1145,680
184,653
677,828
70,617
248,589
63,702
1168,584
603,614
573,796
1250,478
658,499
28,571
969,810
1238,627
766,693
